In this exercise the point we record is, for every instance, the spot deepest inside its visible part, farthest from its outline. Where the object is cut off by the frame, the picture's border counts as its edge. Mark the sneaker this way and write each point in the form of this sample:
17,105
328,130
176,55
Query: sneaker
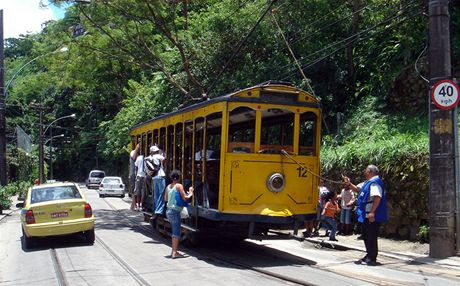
306,234
362,261
333,239
315,234
371,263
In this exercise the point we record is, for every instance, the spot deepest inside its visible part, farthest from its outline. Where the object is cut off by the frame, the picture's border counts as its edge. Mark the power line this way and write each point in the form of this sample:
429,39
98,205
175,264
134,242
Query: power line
348,40
240,45
341,41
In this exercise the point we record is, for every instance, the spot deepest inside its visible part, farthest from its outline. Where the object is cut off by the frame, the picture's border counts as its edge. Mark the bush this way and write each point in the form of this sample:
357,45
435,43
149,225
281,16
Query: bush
398,145
13,188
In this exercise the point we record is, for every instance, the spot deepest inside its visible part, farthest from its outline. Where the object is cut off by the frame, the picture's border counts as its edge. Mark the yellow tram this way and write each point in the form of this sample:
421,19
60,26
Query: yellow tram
251,156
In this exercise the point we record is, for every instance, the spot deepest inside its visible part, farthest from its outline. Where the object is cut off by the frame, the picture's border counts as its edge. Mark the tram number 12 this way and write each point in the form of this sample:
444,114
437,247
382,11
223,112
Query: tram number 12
302,172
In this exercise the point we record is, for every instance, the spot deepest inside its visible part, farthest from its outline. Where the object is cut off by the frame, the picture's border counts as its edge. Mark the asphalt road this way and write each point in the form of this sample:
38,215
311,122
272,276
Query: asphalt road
126,252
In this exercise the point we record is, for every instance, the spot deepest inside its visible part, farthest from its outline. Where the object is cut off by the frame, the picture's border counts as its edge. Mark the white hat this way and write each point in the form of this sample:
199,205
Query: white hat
154,148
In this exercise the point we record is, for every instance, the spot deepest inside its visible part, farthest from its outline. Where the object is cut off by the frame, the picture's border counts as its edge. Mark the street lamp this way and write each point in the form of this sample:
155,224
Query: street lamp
61,50
3,95
40,149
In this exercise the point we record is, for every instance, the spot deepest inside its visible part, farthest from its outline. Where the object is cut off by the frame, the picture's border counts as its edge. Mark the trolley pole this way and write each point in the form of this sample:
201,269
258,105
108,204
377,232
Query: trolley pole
443,142
3,176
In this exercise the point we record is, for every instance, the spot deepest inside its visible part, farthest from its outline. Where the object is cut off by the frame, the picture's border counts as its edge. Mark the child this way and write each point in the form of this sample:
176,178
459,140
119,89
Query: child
330,210
347,197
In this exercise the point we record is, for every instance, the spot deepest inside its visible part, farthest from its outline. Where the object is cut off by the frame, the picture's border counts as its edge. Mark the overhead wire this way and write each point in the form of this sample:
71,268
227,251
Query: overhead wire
240,45
356,37
343,40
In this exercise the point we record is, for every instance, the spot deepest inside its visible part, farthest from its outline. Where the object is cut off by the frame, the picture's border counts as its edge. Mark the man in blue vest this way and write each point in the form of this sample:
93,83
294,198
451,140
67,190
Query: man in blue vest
371,211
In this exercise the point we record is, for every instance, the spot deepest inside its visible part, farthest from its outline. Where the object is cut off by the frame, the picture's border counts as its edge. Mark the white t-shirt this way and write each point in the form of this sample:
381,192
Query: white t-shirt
140,166
375,191
346,195
158,160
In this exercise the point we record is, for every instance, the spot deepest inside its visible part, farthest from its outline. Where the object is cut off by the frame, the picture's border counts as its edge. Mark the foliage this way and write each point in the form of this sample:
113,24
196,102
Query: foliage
424,233
15,188
130,60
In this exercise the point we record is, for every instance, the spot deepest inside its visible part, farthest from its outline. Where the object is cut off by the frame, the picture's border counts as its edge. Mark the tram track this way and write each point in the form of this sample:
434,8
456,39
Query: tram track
214,257
60,275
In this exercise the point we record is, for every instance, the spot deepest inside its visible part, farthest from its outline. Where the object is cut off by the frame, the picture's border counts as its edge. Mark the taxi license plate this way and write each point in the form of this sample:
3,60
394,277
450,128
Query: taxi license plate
59,214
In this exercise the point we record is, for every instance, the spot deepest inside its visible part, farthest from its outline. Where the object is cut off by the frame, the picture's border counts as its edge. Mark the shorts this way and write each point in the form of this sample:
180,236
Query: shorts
345,216
174,219
139,189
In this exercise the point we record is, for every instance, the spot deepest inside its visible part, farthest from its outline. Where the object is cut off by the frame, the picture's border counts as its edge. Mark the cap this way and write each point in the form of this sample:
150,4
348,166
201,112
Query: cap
154,148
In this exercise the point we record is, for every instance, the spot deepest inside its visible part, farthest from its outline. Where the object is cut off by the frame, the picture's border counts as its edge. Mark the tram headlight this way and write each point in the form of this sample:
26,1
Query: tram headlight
276,182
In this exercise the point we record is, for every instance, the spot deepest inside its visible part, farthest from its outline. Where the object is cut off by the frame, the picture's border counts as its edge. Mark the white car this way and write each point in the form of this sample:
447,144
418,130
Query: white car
94,179
112,186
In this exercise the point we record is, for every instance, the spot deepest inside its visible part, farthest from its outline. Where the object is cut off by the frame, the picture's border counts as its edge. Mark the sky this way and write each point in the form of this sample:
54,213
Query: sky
26,16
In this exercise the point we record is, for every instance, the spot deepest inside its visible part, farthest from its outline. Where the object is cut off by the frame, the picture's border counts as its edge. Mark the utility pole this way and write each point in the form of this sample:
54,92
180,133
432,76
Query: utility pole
41,148
3,177
443,144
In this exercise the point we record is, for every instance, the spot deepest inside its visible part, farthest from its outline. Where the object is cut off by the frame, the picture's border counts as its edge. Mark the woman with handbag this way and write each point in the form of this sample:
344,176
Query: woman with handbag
175,195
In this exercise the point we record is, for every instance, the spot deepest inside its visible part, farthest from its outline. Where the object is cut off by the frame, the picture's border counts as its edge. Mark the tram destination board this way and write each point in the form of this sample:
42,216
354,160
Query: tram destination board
445,94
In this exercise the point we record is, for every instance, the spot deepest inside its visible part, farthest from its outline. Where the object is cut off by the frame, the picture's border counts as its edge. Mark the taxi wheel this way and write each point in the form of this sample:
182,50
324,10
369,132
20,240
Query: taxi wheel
122,196
101,196
90,236
29,242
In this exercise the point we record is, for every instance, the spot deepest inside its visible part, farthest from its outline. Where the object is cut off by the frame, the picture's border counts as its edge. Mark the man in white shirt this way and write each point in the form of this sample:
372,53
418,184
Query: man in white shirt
132,175
159,182
139,189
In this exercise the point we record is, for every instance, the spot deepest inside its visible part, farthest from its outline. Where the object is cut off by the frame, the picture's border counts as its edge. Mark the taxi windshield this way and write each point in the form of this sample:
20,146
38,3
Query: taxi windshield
54,193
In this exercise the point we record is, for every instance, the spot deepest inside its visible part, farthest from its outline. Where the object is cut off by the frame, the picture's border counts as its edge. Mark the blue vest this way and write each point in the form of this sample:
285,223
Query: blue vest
381,213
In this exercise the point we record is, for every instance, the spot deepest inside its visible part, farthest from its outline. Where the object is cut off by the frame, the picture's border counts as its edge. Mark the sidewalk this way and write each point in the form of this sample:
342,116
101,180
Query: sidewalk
413,252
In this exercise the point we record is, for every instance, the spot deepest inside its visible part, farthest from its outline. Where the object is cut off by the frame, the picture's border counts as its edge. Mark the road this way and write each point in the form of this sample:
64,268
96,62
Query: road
126,252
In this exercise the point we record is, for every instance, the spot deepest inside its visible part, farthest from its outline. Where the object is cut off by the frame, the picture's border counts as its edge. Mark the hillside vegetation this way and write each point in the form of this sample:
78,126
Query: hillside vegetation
129,60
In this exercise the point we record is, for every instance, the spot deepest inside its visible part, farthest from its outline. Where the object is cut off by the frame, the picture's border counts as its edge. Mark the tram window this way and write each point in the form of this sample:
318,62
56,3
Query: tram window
149,140
277,132
307,137
162,139
178,147
200,192
155,137
212,167
144,145
188,141
242,122
170,148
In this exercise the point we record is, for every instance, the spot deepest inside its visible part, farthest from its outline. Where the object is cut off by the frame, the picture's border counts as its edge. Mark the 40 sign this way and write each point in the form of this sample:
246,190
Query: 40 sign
445,94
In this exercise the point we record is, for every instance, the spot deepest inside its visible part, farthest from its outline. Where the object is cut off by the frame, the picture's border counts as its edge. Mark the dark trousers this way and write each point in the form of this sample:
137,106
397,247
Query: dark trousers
370,233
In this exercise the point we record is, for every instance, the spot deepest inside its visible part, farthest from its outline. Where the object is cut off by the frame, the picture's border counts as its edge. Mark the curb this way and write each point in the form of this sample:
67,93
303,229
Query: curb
450,262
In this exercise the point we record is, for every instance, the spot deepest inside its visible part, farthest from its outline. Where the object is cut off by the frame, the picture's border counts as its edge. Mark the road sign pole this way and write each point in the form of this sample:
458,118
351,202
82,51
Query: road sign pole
442,136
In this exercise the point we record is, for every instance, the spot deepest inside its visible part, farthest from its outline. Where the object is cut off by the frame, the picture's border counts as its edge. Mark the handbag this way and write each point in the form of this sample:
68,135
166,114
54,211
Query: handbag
181,202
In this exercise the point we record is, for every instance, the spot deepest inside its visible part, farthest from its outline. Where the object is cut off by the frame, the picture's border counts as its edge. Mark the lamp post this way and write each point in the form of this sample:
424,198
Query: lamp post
3,95
51,149
41,143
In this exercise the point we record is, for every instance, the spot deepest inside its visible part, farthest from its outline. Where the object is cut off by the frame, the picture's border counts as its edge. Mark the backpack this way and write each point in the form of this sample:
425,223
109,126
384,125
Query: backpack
150,167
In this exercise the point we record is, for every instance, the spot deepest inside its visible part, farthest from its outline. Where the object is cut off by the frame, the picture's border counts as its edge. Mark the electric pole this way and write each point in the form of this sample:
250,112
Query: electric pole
443,135
41,152
3,177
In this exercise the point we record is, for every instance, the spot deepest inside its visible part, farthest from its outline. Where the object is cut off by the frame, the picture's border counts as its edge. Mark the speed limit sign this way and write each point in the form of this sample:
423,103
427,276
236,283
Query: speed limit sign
445,94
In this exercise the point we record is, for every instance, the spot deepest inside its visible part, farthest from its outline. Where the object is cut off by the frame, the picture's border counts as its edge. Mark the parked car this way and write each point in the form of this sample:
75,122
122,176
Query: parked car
56,209
94,179
112,186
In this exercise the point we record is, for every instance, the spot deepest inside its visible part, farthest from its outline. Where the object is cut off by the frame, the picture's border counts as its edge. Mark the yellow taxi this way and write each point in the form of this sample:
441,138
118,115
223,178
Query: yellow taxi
56,209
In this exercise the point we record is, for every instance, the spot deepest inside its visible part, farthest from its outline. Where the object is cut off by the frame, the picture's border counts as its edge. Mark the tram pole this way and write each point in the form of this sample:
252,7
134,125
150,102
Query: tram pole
443,142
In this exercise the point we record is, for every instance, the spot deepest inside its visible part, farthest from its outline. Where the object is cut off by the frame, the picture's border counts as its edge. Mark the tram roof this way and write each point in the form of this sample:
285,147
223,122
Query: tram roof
231,97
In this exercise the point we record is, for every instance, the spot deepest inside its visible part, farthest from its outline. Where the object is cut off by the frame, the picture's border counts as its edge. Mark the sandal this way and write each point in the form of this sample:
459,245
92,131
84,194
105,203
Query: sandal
178,255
